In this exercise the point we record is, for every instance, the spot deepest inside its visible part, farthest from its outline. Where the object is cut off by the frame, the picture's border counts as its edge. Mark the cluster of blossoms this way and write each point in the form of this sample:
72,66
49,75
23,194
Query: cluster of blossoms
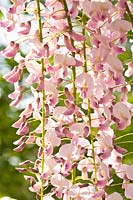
71,57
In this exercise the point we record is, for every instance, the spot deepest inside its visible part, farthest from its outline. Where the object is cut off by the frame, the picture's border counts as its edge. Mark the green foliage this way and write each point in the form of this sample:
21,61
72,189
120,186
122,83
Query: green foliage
1,15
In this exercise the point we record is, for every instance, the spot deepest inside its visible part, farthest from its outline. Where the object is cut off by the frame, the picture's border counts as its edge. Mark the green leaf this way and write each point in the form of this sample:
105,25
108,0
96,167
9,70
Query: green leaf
1,15
127,55
87,41
130,35
79,179
51,60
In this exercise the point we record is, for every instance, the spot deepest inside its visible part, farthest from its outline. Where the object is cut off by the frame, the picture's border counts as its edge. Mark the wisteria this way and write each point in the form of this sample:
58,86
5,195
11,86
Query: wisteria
68,61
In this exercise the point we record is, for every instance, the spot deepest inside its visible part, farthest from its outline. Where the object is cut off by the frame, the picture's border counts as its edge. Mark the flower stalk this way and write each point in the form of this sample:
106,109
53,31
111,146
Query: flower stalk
73,174
84,42
43,98
92,145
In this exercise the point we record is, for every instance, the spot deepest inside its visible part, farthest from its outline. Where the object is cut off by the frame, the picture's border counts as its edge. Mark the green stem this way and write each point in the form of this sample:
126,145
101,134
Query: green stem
124,142
126,154
113,185
73,74
43,97
84,43
89,108
129,14
92,145
120,137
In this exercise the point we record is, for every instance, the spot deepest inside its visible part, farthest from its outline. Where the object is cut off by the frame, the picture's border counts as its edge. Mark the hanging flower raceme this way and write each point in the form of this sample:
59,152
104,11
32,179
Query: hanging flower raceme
73,75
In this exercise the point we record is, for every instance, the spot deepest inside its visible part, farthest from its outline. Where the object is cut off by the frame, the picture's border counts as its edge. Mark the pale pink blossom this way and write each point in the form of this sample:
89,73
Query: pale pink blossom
129,191
115,64
105,143
24,28
48,197
69,94
20,147
78,129
14,75
67,151
51,93
27,111
85,166
64,60
58,114
16,96
77,37
84,83
9,25
34,68
68,43
17,92
122,113
52,138
31,138
114,196
121,25
50,167
23,129
16,5
21,140
74,9
60,182
11,50
79,193
35,188
114,160
97,10
31,7
18,123
129,71
99,55
129,172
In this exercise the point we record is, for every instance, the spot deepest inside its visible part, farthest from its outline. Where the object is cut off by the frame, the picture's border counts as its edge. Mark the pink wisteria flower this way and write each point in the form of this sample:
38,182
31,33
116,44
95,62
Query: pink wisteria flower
115,64
64,60
16,96
85,166
122,113
60,183
85,85
114,196
80,193
121,26
24,28
11,50
129,191
98,12
79,129
125,172
34,69
14,75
